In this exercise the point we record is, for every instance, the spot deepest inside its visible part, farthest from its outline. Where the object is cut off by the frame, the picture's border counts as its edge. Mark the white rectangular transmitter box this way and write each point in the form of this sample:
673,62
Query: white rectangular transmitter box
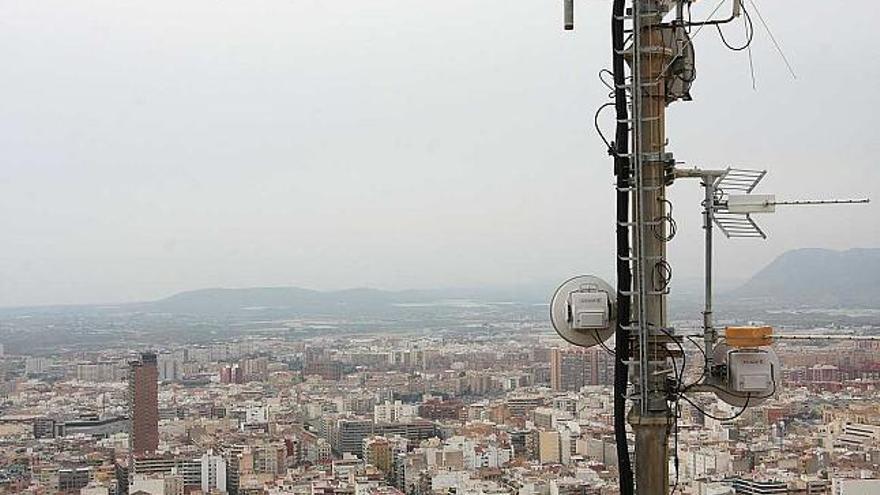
749,371
589,310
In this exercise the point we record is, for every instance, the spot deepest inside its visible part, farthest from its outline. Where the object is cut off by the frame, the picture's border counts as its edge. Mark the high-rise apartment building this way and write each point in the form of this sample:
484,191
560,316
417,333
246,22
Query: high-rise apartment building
382,451
548,447
143,403
393,412
571,369
255,369
101,371
231,373
350,434
170,368
327,370
213,473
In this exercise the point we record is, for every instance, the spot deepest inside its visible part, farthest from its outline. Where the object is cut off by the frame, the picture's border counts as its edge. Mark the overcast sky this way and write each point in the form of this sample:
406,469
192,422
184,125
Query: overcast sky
153,146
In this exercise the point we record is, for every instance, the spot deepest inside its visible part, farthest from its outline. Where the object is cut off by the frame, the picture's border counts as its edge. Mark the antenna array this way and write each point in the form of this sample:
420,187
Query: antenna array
741,369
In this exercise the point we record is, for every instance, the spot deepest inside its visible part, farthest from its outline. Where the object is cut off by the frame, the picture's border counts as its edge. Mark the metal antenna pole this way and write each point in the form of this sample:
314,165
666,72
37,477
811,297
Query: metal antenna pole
708,179
708,213
650,415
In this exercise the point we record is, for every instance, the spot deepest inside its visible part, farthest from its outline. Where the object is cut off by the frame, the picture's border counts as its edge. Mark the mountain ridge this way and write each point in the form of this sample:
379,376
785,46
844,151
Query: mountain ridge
813,277
816,277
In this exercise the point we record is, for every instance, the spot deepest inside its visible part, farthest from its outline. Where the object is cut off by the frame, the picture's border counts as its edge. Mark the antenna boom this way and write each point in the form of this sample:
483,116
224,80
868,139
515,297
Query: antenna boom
801,202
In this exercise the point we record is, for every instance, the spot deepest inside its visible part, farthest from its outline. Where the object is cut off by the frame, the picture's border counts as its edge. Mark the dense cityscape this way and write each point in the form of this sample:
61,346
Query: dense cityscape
303,247
471,403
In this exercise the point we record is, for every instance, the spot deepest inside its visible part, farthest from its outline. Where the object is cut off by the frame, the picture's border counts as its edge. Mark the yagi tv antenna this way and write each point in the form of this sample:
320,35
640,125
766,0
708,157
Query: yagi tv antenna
729,203
733,202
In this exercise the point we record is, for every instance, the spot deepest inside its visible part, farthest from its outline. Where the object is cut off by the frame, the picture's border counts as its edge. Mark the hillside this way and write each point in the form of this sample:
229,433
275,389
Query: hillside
307,301
293,298
817,278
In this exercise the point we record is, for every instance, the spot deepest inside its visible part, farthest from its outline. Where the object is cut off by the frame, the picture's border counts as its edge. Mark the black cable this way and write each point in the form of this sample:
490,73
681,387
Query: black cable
710,22
750,29
602,344
624,273
703,411
679,377
690,17
662,275
679,374
669,220
705,362
745,406
675,459
734,394
608,144
609,85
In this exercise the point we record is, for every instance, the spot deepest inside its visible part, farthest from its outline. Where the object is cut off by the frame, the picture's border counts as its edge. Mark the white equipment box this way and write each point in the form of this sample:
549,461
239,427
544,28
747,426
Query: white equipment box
589,310
750,371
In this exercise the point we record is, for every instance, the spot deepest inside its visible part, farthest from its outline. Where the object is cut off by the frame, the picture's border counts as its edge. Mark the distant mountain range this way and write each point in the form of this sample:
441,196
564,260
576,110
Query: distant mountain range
819,278
800,278
800,283
307,301
816,278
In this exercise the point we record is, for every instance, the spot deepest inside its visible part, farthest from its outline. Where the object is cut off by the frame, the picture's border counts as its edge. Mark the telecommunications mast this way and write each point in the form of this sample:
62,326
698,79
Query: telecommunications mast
649,355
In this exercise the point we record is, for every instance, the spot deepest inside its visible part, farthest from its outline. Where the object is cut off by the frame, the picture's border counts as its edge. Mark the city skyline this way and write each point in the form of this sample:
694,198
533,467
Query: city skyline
267,247
443,405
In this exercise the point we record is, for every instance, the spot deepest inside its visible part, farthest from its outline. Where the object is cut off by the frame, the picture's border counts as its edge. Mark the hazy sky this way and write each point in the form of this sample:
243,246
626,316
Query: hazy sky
152,146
